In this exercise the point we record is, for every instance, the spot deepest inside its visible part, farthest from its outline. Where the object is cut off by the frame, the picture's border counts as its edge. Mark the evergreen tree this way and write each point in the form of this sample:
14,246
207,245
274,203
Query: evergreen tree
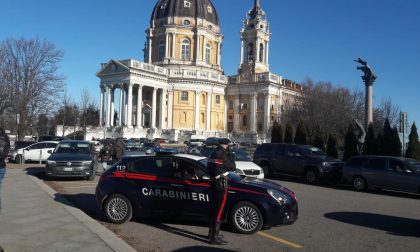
275,133
319,139
387,139
370,146
380,143
350,144
281,134
332,150
413,143
288,134
300,137
396,145
391,141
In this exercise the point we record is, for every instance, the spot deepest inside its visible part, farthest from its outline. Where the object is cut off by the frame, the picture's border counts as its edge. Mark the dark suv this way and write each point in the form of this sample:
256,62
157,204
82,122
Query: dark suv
299,160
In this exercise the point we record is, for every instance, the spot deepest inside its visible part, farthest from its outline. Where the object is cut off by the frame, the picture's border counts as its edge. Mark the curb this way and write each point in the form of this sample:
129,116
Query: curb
107,236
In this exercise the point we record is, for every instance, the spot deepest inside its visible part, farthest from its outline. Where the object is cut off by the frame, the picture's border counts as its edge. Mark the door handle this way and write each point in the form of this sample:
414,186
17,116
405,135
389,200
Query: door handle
177,185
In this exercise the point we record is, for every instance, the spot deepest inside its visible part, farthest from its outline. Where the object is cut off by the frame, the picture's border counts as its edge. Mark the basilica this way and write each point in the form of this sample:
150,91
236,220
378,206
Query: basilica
180,90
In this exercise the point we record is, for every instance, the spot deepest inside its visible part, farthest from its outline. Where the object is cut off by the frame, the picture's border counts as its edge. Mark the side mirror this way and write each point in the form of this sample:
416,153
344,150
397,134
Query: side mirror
50,151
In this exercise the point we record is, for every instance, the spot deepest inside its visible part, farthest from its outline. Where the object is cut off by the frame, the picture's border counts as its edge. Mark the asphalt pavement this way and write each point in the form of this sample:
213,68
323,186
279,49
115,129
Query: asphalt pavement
34,217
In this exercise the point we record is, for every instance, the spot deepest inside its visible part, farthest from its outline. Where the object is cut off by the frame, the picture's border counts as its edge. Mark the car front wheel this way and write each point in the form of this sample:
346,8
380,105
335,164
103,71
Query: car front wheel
359,183
246,218
311,176
118,209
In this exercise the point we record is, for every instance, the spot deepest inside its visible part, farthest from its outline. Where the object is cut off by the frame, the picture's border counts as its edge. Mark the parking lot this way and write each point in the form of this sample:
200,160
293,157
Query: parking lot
331,218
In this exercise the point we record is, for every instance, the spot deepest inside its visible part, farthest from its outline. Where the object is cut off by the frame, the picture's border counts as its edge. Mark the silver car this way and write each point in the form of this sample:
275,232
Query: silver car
395,173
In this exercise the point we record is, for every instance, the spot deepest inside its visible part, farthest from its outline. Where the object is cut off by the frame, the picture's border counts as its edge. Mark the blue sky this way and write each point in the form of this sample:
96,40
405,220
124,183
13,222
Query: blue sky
310,39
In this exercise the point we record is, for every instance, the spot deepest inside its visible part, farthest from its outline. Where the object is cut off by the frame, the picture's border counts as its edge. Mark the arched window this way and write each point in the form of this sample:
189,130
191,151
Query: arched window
208,55
244,120
250,52
261,53
185,51
161,52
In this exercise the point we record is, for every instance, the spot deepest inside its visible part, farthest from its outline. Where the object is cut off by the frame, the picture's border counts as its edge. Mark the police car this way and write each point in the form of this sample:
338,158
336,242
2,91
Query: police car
179,186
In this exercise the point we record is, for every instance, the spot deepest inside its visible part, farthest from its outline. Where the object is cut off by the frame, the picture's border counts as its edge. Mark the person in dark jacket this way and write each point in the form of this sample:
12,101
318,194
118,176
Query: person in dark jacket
119,150
219,165
106,154
4,151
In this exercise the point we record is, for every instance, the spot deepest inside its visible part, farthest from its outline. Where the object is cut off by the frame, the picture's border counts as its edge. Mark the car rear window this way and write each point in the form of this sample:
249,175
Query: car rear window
264,148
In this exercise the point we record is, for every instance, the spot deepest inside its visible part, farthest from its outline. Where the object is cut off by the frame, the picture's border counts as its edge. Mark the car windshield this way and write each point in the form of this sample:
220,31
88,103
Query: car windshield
311,151
73,148
414,166
240,155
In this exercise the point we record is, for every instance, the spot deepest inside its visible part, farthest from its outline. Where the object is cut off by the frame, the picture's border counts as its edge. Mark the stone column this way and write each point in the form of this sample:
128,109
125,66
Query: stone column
153,122
130,106
150,51
166,45
369,104
173,45
121,109
112,106
257,50
267,45
208,110
101,107
108,107
280,103
162,109
267,111
242,51
170,108
197,111
139,116
253,121
197,47
219,53
236,111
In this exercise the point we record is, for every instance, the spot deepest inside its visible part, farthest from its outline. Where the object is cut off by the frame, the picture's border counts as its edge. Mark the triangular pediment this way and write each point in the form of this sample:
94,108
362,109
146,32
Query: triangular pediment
113,67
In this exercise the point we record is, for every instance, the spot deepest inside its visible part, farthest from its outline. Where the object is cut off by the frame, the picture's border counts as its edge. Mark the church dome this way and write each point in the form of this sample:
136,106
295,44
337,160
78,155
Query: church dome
196,9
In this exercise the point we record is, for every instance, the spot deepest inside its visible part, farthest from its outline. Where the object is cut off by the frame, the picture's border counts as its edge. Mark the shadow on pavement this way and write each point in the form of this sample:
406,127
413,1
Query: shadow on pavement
391,224
203,249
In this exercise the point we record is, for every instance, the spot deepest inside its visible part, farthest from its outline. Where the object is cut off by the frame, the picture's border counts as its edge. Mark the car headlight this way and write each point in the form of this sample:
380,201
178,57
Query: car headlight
278,196
50,162
326,164
240,172
86,163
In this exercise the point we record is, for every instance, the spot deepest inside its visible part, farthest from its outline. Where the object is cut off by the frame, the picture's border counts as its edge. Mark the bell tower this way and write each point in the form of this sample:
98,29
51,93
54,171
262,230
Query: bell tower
255,38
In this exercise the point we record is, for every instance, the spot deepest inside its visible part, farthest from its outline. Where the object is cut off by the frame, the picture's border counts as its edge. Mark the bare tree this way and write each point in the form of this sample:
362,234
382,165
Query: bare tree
29,69
388,110
328,107
86,105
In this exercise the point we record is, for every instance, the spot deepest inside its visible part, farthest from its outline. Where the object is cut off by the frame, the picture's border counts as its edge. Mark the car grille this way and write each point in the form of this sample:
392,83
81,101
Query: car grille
64,163
251,172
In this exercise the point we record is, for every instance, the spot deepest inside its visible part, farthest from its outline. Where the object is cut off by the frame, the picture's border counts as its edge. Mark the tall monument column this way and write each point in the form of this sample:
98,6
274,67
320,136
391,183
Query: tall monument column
368,78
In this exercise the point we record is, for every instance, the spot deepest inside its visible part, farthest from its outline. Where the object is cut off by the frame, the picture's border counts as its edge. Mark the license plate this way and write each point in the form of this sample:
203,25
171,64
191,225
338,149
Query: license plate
67,169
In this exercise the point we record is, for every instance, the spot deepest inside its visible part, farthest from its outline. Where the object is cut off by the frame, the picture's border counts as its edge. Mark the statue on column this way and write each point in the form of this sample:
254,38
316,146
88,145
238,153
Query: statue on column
368,73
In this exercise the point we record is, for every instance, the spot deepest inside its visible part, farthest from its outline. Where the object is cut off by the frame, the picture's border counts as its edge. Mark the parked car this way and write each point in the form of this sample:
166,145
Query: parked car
244,164
395,173
151,185
15,146
72,158
34,152
308,162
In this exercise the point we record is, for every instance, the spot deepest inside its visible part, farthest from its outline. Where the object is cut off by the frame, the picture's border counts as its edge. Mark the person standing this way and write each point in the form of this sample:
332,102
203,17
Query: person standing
119,150
4,151
106,155
219,165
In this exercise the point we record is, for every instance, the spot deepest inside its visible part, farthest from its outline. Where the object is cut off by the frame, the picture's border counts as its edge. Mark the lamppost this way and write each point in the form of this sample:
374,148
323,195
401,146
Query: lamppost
75,121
